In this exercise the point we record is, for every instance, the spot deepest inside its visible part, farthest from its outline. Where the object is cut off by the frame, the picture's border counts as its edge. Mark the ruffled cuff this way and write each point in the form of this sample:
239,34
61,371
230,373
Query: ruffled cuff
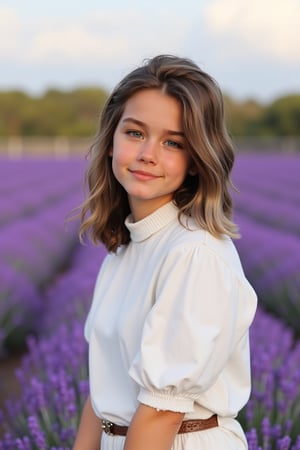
166,402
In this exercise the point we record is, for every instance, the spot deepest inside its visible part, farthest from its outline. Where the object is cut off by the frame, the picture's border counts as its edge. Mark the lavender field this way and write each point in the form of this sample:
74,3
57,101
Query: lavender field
46,283
268,213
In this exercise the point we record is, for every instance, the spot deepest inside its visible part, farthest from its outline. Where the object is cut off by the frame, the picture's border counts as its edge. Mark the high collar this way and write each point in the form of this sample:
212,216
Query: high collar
143,229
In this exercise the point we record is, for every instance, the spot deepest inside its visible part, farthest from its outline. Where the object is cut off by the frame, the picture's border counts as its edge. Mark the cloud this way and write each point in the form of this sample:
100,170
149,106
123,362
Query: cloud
74,44
10,31
106,37
268,27
249,47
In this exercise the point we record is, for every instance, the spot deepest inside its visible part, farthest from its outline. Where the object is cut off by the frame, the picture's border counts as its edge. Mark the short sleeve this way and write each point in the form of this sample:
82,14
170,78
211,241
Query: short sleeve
201,311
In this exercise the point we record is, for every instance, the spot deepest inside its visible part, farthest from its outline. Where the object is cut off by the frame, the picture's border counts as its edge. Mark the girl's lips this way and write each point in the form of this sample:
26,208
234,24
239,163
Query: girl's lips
141,175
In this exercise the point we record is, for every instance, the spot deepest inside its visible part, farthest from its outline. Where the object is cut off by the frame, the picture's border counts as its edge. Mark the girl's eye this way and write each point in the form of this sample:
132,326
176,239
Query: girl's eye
134,133
174,144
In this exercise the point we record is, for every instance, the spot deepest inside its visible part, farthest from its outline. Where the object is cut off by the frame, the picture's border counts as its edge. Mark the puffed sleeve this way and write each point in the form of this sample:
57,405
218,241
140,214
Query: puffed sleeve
200,313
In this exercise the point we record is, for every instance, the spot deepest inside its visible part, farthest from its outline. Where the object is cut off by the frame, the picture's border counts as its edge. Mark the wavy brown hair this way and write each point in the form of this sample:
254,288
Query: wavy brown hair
204,194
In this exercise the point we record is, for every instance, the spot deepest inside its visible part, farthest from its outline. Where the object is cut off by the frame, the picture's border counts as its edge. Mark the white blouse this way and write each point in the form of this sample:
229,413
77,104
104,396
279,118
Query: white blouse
168,326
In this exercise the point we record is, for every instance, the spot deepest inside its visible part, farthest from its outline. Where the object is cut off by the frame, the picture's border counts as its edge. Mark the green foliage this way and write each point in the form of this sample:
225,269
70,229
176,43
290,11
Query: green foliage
14,107
76,113
250,118
56,113
283,116
243,118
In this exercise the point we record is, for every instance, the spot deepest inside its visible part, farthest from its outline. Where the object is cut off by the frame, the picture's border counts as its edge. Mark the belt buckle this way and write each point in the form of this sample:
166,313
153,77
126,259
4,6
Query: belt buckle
106,427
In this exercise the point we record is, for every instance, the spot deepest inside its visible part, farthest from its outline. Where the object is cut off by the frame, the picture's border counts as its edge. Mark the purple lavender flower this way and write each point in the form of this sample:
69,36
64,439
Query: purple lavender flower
267,211
284,443
252,440
34,242
23,444
37,433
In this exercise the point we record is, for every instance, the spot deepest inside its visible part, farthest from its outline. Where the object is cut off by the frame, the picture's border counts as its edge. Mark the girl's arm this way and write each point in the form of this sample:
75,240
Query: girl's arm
151,429
89,431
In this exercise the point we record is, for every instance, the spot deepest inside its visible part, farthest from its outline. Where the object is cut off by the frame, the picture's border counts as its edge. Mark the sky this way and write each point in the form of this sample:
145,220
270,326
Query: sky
252,48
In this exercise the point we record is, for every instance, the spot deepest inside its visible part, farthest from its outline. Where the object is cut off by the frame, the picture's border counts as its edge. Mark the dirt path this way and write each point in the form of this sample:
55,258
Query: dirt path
8,382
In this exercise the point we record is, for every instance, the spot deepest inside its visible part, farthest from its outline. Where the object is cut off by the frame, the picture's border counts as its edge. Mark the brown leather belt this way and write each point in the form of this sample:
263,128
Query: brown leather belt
187,426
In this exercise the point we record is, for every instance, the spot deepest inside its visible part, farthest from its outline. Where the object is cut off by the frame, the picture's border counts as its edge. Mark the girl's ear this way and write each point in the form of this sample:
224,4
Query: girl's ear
110,151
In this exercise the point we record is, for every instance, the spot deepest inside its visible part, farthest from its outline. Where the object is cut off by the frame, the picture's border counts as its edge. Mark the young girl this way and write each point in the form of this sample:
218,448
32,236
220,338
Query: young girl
168,326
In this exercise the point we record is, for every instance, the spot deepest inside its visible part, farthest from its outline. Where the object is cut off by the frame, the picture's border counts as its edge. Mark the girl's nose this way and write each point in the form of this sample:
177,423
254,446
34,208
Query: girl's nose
148,152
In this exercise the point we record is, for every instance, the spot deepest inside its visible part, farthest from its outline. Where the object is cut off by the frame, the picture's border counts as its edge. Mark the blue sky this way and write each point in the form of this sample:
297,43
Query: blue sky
251,48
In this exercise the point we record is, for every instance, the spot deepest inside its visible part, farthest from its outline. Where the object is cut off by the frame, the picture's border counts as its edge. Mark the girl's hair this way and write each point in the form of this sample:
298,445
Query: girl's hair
204,194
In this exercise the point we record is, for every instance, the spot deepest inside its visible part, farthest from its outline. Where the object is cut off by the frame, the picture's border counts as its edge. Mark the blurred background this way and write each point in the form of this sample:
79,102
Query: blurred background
59,61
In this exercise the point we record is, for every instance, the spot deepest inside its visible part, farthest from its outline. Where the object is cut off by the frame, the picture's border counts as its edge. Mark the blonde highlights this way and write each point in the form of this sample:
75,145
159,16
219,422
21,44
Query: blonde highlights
205,194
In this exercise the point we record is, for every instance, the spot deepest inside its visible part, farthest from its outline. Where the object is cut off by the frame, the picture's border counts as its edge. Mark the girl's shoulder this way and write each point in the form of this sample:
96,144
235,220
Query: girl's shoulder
188,234
189,239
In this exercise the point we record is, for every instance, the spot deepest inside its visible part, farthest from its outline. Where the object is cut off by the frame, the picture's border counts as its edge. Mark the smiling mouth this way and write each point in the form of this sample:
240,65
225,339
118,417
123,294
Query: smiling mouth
141,175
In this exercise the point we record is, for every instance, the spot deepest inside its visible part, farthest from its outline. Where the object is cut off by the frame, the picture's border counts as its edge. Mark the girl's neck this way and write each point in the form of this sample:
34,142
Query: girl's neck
143,208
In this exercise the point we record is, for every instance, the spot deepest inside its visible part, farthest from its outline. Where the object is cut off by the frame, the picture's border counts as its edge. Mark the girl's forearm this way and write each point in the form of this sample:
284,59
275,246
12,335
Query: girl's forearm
89,431
151,429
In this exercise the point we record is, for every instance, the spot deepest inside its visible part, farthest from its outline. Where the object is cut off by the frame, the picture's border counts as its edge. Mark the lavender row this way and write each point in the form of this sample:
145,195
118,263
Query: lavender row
23,173
269,189
278,191
69,298
275,397
271,260
37,194
268,172
33,250
53,375
267,211
29,185
285,215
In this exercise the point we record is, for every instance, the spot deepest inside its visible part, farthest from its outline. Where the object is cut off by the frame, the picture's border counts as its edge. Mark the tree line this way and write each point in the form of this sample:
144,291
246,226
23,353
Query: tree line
76,112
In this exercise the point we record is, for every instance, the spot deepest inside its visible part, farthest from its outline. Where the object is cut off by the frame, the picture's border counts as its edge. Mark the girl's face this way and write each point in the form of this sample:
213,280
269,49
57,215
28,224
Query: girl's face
149,156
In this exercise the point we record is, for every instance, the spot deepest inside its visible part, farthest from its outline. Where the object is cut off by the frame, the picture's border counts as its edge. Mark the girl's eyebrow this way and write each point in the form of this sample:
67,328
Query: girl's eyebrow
142,124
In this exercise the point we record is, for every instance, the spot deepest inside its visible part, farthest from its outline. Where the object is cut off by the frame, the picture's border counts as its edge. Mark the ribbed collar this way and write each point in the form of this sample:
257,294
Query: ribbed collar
143,229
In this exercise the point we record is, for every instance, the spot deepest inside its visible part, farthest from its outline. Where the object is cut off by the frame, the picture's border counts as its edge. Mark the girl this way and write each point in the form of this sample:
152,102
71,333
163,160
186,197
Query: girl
168,326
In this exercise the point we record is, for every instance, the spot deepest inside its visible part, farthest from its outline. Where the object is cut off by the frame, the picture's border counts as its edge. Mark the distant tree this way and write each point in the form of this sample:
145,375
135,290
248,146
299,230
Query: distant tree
55,113
243,118
12,110
282,117
86,104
